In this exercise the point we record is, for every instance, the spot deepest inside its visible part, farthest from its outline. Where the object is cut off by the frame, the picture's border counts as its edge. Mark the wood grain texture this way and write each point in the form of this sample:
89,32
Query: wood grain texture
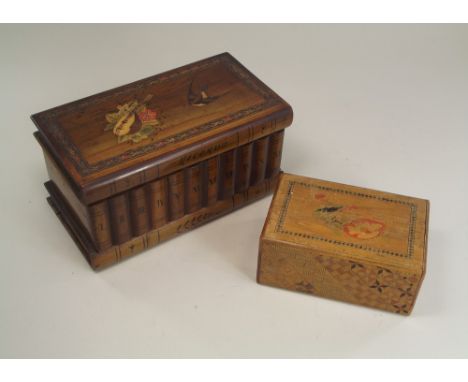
139,211
117,219
120,218
134,246
343,242
260,154
212,180
275,148
101,229
193,188
243,167
227,174
176,195
132,160
159,203
116,140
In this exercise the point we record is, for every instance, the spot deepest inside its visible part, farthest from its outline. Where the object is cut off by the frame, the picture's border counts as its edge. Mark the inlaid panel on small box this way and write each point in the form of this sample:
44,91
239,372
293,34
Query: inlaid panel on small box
344,242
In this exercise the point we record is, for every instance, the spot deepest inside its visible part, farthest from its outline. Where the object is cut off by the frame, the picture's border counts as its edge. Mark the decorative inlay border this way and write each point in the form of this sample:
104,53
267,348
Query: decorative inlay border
413,212
83,167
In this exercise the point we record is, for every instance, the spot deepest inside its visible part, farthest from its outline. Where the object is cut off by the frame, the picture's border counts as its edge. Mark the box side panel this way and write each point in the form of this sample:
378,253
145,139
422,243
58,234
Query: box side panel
141,209
95,219
56,175
299,269
176,227
422,275
142,217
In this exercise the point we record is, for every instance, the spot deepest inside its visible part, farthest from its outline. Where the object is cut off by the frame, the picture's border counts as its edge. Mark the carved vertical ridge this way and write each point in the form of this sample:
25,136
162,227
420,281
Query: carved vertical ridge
177,194
212,183
243,167
158,205
138,210
204,183
193,188
259,160
120,218
275,148
227,174
147,188
100,223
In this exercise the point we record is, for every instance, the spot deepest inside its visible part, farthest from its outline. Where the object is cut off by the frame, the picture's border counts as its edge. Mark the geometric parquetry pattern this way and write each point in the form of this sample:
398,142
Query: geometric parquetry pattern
319,274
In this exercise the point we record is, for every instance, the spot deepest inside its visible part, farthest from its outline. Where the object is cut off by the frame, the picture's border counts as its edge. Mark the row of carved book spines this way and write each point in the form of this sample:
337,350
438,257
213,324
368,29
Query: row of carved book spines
187,223
119,218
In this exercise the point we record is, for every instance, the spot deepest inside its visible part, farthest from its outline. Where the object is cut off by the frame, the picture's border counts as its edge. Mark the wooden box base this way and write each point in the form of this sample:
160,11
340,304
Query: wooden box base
99,260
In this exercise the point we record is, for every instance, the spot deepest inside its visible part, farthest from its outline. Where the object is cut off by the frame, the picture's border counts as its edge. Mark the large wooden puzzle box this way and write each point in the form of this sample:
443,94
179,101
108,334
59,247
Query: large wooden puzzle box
136,165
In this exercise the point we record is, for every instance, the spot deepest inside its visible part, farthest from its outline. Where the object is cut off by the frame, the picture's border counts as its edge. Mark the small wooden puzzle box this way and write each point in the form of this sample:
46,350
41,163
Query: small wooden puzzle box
139,164
346,243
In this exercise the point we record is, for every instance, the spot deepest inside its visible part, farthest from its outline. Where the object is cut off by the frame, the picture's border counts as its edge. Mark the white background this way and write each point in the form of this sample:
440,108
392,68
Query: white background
382,107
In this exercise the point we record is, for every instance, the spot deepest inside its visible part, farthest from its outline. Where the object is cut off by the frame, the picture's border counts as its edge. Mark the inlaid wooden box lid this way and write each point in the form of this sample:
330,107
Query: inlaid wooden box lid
118,139
369,245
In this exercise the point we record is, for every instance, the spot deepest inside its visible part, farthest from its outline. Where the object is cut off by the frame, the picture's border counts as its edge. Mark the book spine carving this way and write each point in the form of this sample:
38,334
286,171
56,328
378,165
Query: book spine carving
227,173
158,203
212,180
120,218
275,149
102,235
260,160
230,175
244,167
176,195
193,189
139,211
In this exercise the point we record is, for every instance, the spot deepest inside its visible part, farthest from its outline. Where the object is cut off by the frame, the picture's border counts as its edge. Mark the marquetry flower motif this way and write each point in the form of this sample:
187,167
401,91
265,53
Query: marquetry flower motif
406,291
147,115
379,286
402,308
133,121
364,228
